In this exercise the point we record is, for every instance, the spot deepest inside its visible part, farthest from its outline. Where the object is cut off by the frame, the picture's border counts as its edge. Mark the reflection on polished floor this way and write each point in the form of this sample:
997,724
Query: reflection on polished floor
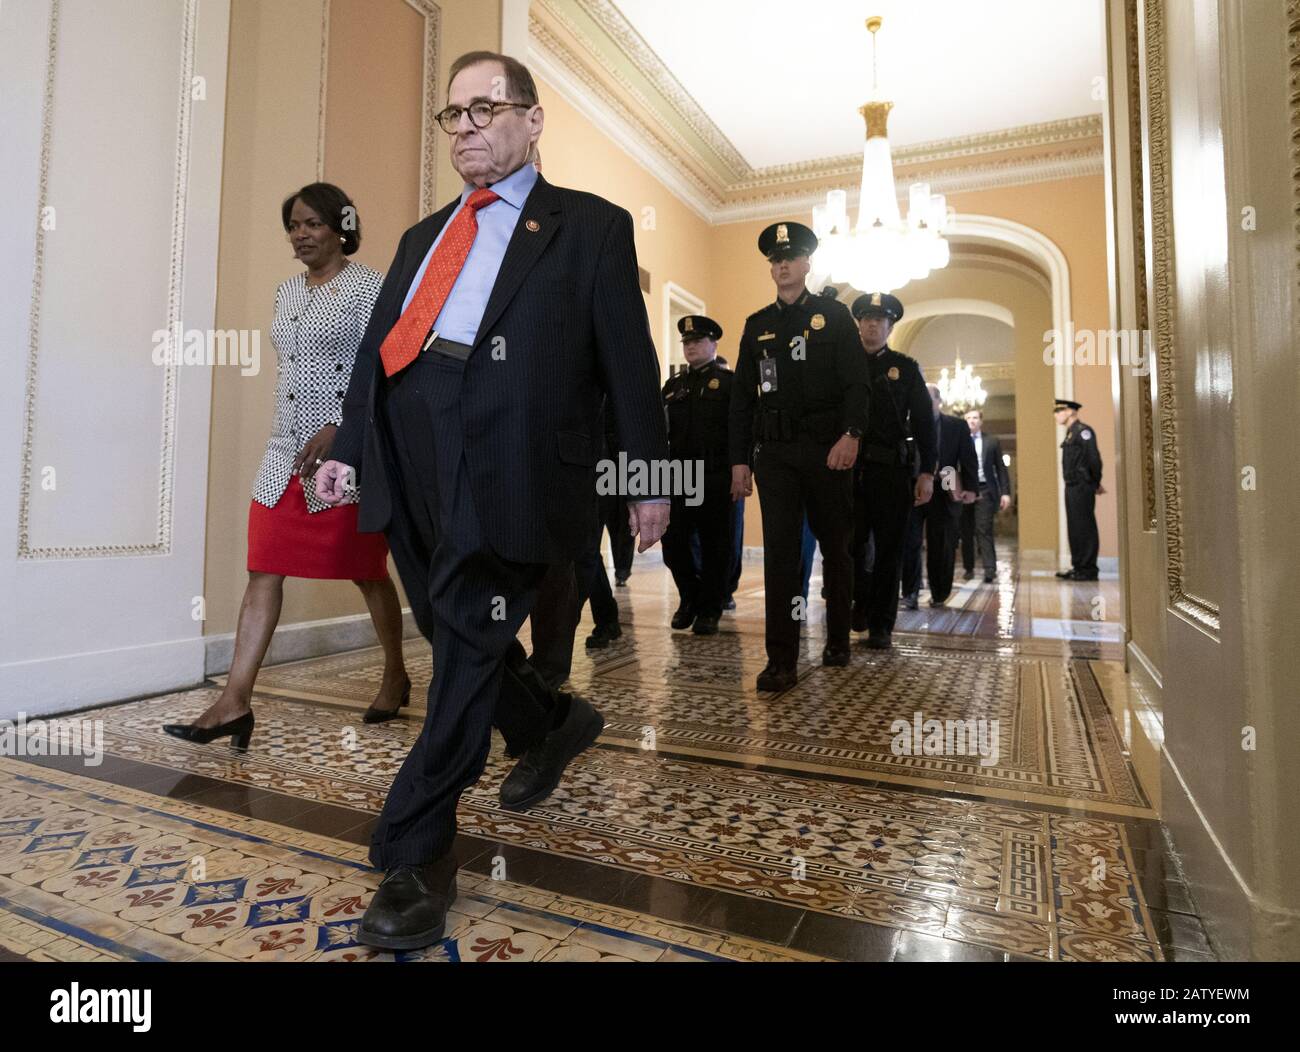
710,823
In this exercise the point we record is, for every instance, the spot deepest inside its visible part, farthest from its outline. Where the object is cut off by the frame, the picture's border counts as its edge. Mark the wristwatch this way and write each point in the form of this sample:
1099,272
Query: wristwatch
853,432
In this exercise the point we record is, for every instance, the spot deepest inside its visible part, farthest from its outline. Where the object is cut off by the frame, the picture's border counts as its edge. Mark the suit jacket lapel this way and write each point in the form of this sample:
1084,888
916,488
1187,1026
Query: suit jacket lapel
539,219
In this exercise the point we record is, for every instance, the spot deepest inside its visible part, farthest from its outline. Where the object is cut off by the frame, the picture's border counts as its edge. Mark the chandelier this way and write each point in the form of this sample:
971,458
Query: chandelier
883,251
963,390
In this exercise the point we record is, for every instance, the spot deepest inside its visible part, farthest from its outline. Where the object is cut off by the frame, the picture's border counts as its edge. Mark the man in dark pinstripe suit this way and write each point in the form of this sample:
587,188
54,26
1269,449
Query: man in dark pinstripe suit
471,422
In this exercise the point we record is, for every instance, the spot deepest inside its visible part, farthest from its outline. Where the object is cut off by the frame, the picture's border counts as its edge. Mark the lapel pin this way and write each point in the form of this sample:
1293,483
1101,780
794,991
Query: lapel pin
533,226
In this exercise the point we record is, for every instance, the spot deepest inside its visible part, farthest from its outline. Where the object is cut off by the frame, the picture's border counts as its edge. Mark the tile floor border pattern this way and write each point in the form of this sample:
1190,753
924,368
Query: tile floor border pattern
991,887
1064,747
96,872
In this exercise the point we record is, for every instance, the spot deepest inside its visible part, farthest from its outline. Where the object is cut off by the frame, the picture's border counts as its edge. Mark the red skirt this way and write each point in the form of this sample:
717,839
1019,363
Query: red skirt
290,540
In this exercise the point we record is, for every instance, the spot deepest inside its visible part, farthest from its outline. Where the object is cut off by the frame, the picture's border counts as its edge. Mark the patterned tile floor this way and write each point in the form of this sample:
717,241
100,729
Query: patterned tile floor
710,823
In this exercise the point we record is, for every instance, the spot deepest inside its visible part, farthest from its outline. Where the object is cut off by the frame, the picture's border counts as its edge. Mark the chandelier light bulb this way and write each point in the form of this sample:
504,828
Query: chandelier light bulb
882,251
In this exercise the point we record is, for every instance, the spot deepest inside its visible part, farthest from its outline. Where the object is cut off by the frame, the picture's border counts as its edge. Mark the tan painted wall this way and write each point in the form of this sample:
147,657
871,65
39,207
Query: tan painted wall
372,124
1036,452
672,242
1072,213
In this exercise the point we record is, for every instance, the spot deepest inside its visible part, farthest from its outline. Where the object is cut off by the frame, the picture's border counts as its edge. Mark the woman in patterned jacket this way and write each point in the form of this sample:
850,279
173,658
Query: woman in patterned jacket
320,317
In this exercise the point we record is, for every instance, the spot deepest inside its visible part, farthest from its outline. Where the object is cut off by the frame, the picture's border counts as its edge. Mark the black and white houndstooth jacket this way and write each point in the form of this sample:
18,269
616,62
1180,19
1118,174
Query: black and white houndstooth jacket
316,332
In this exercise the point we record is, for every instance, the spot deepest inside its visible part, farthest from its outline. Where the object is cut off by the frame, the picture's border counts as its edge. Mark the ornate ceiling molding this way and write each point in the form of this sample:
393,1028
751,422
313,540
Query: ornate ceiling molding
626,89
648,64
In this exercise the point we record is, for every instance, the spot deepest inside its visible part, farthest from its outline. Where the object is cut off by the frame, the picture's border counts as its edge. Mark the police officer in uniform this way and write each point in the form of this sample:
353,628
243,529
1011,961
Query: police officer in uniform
1081,468
698,403
799,407
895,468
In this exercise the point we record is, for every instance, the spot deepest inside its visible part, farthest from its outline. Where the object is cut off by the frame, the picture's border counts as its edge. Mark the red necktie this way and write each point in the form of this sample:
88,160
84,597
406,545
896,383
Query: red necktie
402,344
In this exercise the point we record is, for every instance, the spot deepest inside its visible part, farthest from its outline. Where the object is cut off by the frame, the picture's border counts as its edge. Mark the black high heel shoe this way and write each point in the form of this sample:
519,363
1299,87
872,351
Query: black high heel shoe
374,715
239,730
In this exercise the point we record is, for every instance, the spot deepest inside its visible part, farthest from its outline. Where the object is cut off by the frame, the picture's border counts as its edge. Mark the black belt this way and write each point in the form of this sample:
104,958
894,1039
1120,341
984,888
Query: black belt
448,349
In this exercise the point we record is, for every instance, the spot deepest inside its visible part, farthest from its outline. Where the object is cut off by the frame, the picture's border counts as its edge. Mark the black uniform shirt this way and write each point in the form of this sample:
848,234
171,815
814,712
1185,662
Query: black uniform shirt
827,378
900,405
1080,457
698,403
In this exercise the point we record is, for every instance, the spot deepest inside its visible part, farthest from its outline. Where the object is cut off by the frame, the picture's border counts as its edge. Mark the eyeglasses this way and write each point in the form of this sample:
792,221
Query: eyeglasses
480,114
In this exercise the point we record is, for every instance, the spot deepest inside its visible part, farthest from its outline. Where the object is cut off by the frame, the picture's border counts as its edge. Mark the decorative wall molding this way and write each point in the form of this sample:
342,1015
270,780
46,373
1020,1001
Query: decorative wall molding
1162,299
432,15
1293,84
324,93
161,545
429,130
706,170
987,176
1137,188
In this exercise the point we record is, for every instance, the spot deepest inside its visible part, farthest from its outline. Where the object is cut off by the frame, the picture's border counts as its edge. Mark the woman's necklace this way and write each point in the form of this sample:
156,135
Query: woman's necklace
312,287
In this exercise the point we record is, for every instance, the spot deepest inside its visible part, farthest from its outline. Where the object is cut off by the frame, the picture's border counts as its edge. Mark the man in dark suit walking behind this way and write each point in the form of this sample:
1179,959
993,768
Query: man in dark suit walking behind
471,422
939,518
994,492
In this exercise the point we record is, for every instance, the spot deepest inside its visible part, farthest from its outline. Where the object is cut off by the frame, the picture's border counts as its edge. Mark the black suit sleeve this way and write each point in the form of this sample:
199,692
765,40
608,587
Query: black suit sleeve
855,377
1092,457
740,423
993,450
349,440
921,416
625,353
968,461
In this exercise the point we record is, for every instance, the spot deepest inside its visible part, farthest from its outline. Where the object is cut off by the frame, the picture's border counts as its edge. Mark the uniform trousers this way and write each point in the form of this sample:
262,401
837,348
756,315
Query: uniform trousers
882,499
468,601
793,479
704,589
1081,526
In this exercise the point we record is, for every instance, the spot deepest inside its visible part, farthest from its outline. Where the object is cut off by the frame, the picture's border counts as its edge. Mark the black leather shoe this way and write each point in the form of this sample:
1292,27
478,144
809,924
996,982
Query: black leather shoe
620,579
730,604
774,679
409,910
602,635
969,575
835,656
540,769
240,731
939,602
1065,575
374,715
859,618
684,617
1078,576
909,602
988,578
705,625
879,641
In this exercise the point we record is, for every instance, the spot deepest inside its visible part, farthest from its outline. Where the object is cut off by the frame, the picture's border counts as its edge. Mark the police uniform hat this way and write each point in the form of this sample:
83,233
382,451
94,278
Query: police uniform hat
699,327
1065,403
787,240
878,304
